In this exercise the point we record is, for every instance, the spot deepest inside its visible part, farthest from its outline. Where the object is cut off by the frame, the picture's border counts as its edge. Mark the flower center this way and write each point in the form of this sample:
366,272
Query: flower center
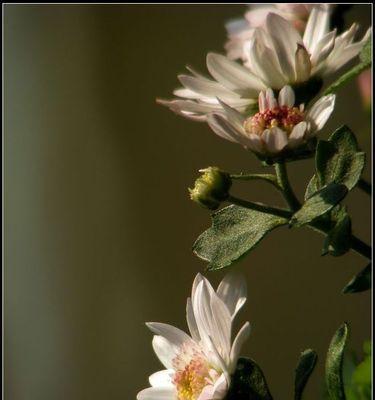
193,373
283,117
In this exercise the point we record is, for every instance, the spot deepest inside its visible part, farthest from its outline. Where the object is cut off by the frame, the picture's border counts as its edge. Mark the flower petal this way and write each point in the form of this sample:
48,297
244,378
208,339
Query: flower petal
164,350
317,26
297,135
321,111
162,378
233,75
175,336
156,393
190,318
275,139
238,342
286,97
233,291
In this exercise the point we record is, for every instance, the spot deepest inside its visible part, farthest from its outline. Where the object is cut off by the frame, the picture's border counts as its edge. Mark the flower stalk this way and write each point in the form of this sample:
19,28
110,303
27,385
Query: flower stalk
283,182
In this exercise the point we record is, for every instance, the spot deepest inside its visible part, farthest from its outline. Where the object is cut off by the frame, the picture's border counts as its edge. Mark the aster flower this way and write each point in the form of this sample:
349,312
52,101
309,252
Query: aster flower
275,56
241,30
279,126
200,366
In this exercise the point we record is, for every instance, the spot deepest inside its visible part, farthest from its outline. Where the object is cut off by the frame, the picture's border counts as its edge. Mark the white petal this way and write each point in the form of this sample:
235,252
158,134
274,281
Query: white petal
321,111
192,324
238,342
271,102
165,351
260,62
154,393
285,40
255,143
233,116
162,378
232,290
286,97
175,336
206,88
222,324
275,139
323,47
297,135
216,391
317,26
233,75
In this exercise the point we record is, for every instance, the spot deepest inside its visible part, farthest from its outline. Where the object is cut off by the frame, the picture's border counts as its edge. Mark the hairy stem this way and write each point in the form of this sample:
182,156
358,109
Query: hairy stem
279,212
283,181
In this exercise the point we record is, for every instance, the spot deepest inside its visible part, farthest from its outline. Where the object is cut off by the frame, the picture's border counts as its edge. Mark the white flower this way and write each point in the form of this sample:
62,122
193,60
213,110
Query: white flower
199,367
241,30
275,56
278,126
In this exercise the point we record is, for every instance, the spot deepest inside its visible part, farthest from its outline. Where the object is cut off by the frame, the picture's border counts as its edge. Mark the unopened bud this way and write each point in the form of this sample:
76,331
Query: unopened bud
211,188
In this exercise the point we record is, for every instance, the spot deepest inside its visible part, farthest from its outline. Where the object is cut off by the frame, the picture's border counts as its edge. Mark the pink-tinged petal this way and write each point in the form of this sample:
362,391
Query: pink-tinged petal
217,391
156,393
271,102
286,97
321,111
297,135
275,139
233,290
262,102
162,378
255,143
238,342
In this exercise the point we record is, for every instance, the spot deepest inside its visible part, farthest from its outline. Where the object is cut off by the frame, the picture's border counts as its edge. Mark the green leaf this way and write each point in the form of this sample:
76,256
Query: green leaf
304,369
339,160
319,204
334,363
234,232
338,240
312,187
248,382
365,62
360,282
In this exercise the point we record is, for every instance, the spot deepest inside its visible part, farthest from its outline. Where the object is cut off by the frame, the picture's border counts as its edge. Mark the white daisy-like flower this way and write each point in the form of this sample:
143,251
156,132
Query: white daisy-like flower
241,30
275,56
279,125
199,367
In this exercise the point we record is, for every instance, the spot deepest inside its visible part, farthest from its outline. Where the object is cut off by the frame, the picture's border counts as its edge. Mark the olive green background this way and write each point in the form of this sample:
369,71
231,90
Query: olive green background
99,225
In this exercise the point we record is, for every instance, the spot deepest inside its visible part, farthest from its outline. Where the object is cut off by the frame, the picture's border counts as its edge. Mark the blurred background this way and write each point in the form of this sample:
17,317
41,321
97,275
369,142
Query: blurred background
99,225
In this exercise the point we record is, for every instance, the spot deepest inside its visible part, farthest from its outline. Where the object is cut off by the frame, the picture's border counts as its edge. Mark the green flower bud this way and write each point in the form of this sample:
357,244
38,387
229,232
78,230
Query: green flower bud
211,188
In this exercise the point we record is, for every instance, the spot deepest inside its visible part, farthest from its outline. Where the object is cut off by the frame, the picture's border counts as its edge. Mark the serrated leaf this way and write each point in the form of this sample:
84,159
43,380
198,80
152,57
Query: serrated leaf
360,282
338,240
304,369
338,159
319,204
234,232
248,382
334,363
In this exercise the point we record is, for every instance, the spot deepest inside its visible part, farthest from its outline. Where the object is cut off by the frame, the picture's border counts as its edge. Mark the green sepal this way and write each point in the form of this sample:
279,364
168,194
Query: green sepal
305,367
248,382
334,364
359,282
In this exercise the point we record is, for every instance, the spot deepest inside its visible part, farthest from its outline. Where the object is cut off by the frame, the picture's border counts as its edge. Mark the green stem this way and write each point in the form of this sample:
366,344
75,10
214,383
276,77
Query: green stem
283,181
365,186
279,212
320,226
262,177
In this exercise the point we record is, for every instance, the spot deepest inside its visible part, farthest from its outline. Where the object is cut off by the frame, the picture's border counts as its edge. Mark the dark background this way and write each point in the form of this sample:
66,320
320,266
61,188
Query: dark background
99,225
